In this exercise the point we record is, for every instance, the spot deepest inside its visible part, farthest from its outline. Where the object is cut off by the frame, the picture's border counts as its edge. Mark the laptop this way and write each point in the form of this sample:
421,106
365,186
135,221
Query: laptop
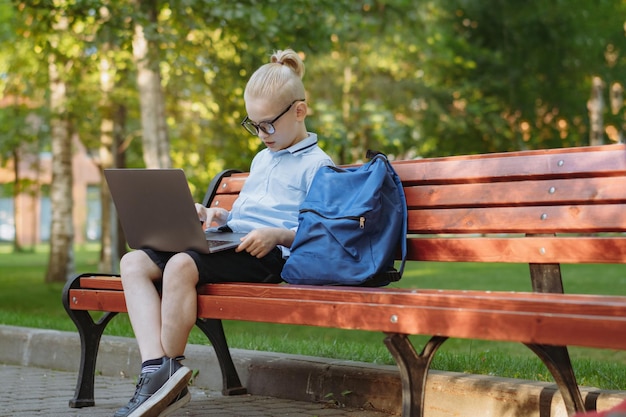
156,210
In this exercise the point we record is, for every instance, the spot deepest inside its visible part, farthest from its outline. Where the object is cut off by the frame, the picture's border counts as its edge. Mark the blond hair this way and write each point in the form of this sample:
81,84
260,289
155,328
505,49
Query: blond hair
280,79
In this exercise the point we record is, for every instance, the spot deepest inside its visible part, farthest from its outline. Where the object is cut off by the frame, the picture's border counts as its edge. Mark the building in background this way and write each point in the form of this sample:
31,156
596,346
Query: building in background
29,213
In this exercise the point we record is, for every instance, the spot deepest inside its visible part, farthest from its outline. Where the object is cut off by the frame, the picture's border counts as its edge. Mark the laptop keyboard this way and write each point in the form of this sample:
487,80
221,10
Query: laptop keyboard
213,243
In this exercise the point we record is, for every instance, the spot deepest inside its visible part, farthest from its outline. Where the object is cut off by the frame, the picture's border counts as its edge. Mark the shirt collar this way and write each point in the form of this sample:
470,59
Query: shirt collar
306,143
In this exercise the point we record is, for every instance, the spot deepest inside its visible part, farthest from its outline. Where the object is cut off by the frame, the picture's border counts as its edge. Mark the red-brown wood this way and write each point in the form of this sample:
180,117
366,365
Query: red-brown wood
556,163
457,317
224,201
600,321
536,219
98,282
566,250
97,300
597,190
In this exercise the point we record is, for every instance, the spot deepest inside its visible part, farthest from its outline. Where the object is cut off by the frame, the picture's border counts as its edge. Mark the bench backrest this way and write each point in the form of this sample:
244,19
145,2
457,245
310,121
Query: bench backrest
522,207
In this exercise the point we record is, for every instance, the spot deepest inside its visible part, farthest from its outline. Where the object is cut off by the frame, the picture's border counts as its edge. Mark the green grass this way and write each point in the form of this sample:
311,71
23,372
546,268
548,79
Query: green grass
26,301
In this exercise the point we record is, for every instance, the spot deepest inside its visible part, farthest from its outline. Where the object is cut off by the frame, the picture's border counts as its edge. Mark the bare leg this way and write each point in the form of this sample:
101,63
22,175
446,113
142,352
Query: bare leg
179,304
143,302
155,319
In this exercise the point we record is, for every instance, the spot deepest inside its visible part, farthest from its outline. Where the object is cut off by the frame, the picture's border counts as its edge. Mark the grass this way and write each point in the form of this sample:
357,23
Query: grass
22,276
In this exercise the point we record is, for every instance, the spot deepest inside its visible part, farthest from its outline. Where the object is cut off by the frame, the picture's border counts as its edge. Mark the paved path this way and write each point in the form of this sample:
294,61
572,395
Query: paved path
31,392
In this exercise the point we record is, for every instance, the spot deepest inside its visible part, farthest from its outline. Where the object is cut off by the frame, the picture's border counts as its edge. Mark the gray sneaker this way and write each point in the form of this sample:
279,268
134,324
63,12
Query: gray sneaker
158,390
183,398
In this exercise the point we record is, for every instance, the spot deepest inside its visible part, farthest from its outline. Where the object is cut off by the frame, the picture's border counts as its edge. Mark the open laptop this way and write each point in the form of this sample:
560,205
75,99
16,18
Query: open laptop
157,211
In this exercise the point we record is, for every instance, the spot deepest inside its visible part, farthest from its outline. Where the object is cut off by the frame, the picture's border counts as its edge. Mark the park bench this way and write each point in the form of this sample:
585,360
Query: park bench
541,208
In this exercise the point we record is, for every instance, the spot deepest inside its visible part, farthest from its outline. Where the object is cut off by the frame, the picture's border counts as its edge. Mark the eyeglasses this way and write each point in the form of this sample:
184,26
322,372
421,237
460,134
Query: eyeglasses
265,127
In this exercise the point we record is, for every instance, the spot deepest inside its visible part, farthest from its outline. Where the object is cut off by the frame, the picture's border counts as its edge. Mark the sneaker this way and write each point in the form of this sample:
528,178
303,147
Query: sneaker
183,398
158,390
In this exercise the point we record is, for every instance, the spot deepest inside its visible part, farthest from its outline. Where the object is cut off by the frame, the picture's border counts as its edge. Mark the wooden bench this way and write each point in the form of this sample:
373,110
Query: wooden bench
541,208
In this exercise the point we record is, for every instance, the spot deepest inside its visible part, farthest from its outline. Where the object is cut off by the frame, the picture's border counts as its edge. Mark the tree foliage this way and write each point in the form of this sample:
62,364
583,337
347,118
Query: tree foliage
432,78
435,78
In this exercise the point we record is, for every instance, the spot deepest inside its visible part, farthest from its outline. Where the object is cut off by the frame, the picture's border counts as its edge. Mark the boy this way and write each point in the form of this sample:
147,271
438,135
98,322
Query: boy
266,209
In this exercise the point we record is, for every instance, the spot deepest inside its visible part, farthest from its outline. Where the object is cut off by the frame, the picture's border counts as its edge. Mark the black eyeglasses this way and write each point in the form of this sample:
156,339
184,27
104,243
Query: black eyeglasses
265,127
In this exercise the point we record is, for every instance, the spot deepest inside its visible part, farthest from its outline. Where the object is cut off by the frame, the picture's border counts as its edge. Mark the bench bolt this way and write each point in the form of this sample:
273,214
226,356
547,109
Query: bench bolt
394,318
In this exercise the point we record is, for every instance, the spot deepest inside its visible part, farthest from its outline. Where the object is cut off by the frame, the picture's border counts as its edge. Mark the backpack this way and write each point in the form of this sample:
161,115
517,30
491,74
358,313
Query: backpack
350,226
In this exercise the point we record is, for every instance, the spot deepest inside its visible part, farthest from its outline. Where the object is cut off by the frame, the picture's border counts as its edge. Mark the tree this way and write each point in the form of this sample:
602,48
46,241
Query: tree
22,117
156,147
512,75
61,259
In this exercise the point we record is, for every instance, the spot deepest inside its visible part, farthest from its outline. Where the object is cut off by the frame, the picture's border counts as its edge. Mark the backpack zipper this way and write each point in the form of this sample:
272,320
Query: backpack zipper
360,219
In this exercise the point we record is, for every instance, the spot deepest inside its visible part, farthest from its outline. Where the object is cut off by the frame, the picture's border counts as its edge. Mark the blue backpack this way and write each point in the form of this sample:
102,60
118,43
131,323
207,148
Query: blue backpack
351,223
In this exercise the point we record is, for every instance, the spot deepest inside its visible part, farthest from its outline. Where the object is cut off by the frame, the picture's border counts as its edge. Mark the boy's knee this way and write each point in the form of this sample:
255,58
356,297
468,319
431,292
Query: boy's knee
138,264
181,269
130,260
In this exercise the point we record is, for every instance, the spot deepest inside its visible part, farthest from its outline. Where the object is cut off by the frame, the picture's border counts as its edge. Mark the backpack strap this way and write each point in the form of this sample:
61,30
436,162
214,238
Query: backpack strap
396,178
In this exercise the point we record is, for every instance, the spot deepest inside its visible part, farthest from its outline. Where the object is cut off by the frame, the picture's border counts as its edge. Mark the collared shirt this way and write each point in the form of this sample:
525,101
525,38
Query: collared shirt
276,186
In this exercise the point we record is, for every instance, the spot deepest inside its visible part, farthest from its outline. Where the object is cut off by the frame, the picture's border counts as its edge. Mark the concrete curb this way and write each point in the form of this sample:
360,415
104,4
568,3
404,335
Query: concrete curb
306,378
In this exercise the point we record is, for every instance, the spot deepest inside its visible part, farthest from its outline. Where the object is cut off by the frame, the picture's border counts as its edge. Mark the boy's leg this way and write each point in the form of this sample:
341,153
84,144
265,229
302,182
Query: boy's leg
160,385
179,303
143,302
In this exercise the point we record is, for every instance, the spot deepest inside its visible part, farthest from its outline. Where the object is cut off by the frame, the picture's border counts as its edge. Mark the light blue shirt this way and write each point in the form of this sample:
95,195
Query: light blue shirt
276,186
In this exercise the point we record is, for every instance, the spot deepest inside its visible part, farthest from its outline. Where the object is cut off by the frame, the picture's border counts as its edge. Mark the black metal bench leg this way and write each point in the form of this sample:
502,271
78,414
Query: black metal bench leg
90,333
557,360
547,278
213,329
413,370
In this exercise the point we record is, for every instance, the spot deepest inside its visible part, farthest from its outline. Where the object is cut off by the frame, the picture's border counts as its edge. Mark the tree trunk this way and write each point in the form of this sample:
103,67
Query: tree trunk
108,249
156,149
595,106
617,104
17,190
61,261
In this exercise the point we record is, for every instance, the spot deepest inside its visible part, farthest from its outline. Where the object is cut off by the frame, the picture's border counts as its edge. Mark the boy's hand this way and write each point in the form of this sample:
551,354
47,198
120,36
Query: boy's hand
210,215
260,242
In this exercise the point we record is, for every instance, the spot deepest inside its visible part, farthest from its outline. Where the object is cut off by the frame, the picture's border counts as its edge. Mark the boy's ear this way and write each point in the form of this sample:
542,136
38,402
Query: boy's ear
301,110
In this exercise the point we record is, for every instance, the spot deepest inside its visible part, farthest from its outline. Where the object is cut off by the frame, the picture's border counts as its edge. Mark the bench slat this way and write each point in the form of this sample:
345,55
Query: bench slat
539,219
97,300
98,282
525,317
556,163
554,192
232,184
224,201
575,304
458,321
519,249
337,293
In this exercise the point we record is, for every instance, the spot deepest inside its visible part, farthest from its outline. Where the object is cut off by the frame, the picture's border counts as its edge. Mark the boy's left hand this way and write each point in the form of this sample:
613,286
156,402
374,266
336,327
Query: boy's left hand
260,242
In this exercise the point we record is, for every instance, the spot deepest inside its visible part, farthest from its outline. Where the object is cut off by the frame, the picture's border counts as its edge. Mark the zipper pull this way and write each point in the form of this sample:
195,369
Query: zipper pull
362,222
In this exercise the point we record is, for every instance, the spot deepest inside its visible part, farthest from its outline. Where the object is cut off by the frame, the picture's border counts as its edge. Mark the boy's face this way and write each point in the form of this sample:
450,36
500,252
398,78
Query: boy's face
285,121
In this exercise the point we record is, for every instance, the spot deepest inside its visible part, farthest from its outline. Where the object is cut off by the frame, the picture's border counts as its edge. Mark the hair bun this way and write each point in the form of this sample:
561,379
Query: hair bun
289,58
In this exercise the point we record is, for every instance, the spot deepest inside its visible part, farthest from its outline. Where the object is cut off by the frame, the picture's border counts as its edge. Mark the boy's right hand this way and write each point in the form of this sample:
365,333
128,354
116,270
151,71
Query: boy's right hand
211,215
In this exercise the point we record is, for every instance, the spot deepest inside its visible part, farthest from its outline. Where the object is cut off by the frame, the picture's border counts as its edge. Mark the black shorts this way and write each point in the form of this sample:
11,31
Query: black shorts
229,266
